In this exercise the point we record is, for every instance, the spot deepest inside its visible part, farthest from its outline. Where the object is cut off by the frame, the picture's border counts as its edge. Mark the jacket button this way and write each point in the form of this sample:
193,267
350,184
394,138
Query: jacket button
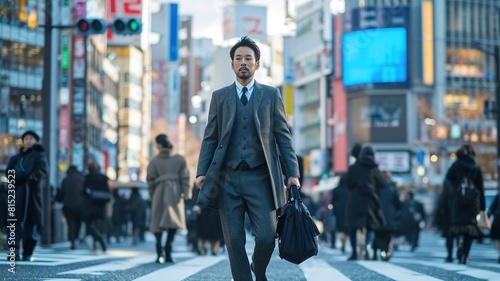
220,146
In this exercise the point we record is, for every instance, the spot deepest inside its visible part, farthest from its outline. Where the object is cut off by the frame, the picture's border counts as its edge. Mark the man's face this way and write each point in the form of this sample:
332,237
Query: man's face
28,141
244,64
159,146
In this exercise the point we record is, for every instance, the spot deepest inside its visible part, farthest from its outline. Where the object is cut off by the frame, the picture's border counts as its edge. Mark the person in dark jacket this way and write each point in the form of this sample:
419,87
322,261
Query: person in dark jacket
339,202
463,216
71,195
27,171
442,218
94,210
118,218
365,181
412,214
389,200
137,214
494,211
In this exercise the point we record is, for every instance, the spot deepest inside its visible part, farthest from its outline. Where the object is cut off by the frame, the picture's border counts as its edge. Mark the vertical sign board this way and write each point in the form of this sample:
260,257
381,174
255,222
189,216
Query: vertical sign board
78,86
64,100
126,9
427,43
340,159
245,20
288,74
173,58
174,33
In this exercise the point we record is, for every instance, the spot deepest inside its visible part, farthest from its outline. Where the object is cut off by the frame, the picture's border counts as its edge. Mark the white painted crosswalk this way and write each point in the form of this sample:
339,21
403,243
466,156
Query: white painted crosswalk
427,263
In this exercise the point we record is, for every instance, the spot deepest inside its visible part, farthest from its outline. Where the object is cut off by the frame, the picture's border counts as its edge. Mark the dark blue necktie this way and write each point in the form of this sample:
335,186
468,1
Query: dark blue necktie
244,98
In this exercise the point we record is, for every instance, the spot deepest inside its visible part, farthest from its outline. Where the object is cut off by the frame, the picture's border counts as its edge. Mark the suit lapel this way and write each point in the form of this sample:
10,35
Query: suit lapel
257,95
230,103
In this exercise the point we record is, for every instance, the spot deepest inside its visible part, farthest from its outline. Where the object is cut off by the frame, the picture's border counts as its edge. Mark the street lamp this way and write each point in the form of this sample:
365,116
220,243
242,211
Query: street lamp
496,55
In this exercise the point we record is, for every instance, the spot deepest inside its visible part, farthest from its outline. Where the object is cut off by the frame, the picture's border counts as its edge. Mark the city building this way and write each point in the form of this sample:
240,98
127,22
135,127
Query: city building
110,118
166,90
130,106
312,66
420,81
132,55
21,74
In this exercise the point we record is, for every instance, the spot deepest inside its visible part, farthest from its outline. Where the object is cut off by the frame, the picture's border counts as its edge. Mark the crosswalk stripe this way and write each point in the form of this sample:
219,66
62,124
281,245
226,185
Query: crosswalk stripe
318,269
182,270
466,270
111,266
61,279
395,272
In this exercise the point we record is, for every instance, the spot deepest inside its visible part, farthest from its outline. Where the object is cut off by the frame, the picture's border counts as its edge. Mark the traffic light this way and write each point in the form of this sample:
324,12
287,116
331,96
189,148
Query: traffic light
126,26
89,26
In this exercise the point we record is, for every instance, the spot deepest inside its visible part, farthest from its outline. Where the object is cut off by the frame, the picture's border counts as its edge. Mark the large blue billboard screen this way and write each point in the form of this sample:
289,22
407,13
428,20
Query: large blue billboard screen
374,56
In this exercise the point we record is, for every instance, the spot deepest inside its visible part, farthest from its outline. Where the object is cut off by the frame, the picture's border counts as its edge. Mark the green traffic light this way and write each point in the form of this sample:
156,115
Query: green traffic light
133,25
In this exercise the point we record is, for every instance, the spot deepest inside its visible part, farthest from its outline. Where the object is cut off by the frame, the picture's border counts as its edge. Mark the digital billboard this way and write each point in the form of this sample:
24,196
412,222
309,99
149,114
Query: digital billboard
375,56
378,119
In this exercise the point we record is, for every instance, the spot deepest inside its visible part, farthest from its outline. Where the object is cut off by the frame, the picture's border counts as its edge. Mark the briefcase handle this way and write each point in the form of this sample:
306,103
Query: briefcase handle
293,193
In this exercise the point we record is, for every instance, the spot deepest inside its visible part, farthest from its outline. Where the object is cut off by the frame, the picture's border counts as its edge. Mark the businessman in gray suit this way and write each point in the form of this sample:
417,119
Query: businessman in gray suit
239,168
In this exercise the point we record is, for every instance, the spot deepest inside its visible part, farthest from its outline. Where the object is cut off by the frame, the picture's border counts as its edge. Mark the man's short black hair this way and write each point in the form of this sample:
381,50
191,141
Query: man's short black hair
31,133
245,41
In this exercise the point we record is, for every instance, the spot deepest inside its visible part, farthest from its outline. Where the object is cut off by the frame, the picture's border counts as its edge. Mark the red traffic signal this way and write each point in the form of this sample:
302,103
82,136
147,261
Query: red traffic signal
126,26
89,26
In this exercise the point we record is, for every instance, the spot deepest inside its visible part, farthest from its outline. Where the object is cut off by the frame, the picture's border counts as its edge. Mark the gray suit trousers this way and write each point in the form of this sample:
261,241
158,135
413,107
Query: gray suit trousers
251,192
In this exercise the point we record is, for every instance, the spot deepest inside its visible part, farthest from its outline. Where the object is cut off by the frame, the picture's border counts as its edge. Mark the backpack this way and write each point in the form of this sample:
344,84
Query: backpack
466,193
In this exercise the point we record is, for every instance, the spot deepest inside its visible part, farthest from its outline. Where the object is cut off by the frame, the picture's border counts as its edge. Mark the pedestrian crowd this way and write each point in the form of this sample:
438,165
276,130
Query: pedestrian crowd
377,217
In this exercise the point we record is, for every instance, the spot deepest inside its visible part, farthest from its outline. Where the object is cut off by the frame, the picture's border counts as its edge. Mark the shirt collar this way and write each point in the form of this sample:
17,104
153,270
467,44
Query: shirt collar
239,88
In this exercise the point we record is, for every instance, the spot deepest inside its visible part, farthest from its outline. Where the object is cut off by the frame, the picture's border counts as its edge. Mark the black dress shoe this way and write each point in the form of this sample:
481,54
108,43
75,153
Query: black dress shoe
448,259
28,258
386,256
352,258
251,267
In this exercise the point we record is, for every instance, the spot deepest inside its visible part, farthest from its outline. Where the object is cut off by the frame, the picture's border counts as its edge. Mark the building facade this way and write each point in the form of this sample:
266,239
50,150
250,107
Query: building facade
21,74
437,95
312,69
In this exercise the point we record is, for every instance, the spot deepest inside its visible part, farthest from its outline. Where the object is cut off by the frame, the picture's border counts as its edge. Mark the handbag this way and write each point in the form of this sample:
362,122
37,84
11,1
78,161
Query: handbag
296,229
98,196
483,221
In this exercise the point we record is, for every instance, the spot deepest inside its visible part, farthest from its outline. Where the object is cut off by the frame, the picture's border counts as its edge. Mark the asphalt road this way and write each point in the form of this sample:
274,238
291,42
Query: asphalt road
125,261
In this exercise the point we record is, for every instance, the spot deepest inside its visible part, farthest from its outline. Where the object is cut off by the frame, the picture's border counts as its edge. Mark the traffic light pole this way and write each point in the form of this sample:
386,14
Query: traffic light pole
47,104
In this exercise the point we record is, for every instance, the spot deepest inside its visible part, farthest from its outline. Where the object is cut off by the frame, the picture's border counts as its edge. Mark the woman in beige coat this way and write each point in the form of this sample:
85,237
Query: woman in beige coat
168,183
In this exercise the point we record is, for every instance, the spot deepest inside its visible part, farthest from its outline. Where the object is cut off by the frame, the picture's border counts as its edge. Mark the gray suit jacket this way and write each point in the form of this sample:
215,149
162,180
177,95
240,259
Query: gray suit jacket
270,121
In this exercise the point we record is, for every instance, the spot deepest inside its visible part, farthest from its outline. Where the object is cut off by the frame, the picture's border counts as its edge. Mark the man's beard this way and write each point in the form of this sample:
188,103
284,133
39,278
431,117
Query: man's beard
245,75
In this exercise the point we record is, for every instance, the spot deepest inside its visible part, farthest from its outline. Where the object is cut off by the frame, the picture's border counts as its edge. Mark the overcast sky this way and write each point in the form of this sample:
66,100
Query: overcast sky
208,16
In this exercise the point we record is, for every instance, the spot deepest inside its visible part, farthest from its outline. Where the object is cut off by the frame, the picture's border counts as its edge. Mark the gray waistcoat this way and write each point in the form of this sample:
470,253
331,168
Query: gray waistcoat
244,144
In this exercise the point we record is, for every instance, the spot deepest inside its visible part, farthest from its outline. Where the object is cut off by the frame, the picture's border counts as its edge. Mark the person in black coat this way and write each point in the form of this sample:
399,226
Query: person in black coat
94,210
119,216
27,172
339,202
494,211
71,195
137,214
412,214
389,200
463,216
365,181
442,218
